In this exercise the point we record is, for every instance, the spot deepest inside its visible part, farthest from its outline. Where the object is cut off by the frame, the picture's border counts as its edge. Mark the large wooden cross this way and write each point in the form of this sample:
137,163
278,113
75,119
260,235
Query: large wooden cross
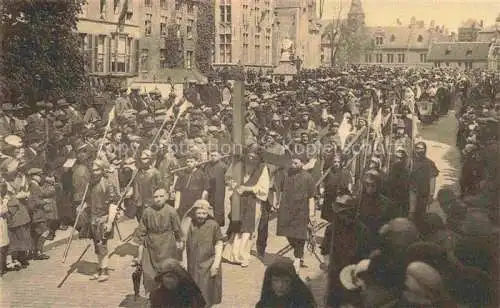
238,143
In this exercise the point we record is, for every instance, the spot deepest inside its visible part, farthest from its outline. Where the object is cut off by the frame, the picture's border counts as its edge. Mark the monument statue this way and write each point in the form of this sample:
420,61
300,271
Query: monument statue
287,49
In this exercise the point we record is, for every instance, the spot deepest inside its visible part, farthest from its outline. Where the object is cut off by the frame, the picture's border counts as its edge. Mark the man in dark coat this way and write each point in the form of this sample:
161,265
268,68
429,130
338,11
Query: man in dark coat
216,171
39,228
422,183
296,207
146,182
190,186
375,210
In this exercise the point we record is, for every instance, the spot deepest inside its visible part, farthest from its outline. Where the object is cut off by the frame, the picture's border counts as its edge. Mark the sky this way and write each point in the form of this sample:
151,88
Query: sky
450,13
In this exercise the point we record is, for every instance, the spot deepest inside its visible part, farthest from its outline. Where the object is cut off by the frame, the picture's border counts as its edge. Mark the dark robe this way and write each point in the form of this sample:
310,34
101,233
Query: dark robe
299,295
423,170
397,187
374,212
158,231
342,253
200,249
191,186
297,188
254,177
217,190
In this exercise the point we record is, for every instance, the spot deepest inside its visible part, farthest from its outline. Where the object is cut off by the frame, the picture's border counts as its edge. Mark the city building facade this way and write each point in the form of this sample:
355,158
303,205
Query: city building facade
109,38
167,44
402,45
297,20
243,33
461,55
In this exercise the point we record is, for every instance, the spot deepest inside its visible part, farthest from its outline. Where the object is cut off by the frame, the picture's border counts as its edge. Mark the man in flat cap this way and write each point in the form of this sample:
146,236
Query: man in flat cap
122,103
80,179
39,228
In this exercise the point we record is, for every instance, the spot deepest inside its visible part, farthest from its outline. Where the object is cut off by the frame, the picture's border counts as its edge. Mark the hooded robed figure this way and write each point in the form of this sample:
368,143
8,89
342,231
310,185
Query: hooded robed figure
204,250
176,288
282,287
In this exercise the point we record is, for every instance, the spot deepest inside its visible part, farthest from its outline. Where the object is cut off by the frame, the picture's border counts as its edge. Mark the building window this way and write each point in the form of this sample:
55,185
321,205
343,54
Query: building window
189,29
144,60
189,59
368,58
119,55
390,58
469,52
379,40
178,5
378,58
468,65
393,38
257,49
163,58
268,55
245,14
245,48
225,48
148,3
447,51
99,59
401,58
225,11
163,4
420,38
147,24
190,7
423,57
117,6
163,26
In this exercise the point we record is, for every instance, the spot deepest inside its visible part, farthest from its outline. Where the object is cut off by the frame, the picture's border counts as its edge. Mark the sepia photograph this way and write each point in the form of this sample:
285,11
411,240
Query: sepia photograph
250,153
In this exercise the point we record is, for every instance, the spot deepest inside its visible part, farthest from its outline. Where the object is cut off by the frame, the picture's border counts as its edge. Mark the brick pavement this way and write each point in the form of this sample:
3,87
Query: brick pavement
36,286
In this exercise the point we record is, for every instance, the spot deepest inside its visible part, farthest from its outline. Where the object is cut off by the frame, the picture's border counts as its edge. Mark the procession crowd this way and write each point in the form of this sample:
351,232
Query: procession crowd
342,142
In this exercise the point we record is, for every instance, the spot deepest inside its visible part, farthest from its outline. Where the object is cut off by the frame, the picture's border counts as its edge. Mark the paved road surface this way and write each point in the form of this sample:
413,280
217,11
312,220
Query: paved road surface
36,286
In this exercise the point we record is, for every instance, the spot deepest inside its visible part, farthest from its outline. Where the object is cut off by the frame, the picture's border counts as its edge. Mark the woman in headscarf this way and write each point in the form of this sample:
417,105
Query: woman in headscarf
283,288
176,288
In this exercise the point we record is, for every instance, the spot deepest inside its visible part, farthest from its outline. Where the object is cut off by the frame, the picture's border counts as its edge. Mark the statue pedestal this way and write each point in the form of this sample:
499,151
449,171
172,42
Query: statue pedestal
285,68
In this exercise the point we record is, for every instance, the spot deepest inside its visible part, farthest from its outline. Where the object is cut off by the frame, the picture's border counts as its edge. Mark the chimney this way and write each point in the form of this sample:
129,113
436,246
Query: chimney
413,21
453,37
433,24
481,23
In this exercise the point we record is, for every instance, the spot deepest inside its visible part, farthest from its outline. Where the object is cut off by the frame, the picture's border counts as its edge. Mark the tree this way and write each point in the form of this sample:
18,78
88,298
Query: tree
205,35
352,44
41,50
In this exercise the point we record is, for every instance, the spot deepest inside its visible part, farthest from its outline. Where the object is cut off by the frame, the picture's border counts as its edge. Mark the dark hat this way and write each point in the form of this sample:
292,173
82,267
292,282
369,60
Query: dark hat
62,102
372,176
35,171
343,203
7,107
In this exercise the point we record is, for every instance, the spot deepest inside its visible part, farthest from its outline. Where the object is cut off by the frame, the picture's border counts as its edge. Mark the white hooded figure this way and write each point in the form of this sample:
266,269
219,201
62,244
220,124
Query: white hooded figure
345,128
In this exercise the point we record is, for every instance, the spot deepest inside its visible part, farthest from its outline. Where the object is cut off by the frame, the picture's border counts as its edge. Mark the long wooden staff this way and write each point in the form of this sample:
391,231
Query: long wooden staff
66,250
132,179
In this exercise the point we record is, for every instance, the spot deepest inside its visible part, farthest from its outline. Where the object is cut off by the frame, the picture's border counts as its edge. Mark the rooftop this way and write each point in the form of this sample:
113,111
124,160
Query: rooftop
459,51
410,37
